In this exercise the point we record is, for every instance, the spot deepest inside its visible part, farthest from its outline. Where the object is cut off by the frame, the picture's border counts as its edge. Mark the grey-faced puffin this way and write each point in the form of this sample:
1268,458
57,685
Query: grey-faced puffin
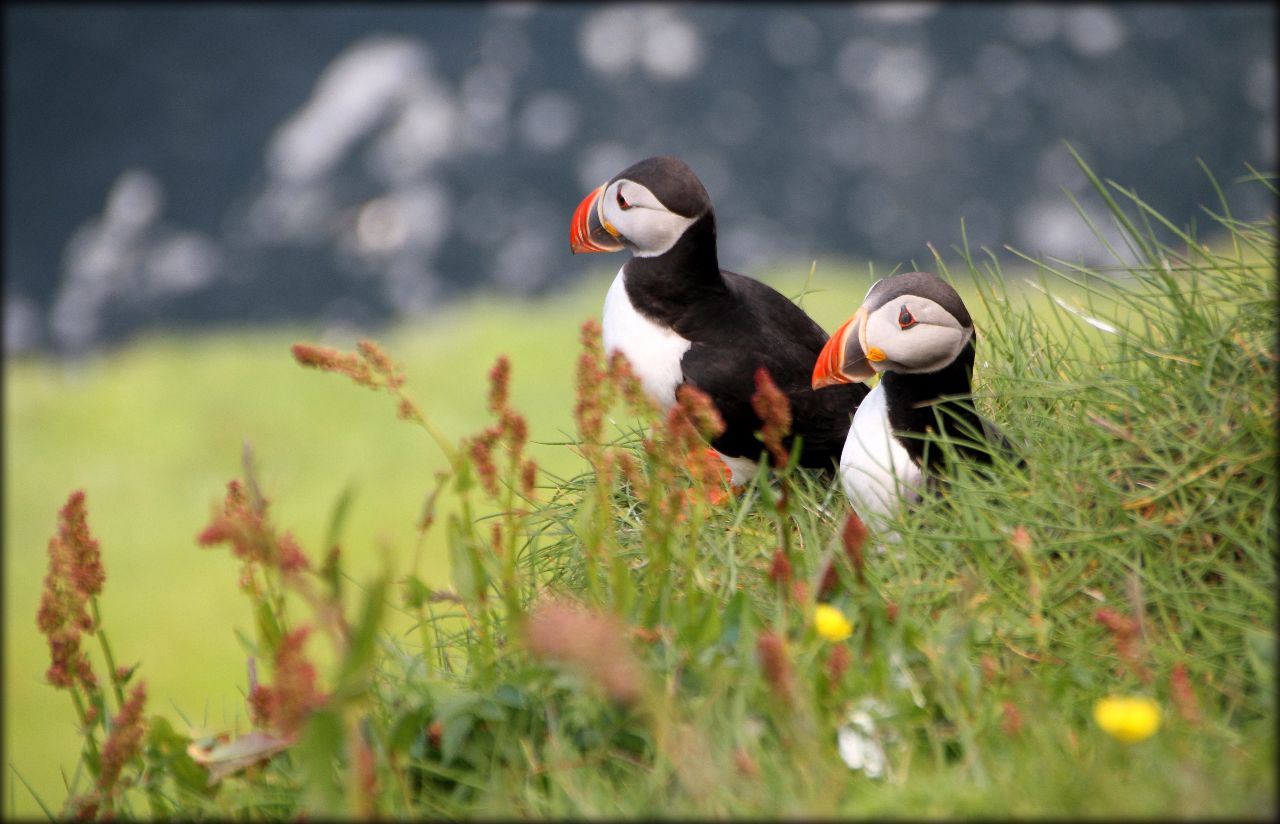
681,319
915,331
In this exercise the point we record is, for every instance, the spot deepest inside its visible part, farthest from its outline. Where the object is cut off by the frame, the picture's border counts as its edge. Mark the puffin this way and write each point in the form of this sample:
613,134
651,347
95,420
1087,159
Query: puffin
682,320
914,331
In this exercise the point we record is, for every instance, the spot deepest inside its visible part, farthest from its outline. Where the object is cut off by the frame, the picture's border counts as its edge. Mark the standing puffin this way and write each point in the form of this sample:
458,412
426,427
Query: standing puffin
914,330
680,319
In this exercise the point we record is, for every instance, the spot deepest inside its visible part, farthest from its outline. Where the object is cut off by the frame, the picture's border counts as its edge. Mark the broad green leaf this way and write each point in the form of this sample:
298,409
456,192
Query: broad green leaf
358,662
320,750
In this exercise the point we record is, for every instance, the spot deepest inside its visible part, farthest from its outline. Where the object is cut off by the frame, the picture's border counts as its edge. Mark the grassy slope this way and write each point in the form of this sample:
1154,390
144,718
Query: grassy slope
152,433
152,477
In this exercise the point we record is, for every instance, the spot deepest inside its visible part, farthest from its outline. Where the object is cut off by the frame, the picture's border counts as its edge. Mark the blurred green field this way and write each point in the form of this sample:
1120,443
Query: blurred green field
154,430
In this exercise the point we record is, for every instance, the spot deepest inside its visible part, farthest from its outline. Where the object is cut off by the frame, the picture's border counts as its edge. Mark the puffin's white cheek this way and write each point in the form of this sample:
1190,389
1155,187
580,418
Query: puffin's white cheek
654,233
926,348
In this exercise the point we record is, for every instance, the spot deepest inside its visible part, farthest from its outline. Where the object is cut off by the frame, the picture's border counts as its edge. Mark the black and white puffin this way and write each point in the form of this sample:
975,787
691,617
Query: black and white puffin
680,319
915,331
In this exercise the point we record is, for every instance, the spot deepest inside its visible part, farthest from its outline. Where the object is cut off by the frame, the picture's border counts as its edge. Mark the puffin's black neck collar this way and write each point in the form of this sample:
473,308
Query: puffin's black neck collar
915,410
685,274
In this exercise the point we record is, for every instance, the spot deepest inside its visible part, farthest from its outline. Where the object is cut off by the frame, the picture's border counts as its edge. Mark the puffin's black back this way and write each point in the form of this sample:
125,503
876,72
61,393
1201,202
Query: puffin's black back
737,324
784,340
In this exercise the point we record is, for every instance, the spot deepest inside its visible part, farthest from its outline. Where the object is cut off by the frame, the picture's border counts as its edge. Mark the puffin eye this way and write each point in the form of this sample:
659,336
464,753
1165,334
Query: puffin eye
905,319
622,201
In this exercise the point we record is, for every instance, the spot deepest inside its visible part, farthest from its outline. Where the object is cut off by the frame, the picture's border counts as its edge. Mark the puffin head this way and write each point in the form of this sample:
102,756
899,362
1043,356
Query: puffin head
645,208
910,323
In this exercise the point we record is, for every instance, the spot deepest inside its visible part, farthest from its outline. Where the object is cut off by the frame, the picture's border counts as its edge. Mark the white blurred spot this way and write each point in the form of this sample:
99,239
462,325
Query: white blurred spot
355,92
380,226
425,210
101,259
415,218
1094,31
894,79
896,13
134,202
1054,228
792,40
856,59
421,134
182,262
858,747
548,121
615,40
672,48
607,41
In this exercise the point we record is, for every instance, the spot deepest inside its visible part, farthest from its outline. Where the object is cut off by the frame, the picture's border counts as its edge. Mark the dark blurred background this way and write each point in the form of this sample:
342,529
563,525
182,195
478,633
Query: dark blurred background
174,165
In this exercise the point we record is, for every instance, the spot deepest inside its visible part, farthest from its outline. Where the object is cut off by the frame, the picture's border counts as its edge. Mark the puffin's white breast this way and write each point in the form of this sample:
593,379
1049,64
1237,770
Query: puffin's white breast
654,350
875,470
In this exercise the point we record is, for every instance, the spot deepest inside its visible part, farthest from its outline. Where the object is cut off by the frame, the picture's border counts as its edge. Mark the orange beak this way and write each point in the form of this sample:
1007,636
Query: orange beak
590,232
844,358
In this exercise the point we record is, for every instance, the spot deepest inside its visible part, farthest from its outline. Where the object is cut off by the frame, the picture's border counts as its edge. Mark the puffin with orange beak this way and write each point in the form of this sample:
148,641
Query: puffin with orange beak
681,319
915,332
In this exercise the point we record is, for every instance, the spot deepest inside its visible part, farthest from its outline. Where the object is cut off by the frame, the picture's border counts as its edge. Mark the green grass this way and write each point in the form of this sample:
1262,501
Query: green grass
153,431
1150,491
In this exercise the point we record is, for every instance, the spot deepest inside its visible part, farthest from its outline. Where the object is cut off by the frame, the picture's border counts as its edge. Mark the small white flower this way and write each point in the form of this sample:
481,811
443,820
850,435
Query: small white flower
859,742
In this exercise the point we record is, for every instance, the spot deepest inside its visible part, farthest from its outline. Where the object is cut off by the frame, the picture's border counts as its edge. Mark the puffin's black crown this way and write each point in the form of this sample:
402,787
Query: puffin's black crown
923,284
672,182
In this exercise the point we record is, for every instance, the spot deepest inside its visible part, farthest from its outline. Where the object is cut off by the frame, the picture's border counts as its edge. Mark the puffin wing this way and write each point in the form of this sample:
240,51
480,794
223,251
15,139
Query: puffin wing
759,326
1001,445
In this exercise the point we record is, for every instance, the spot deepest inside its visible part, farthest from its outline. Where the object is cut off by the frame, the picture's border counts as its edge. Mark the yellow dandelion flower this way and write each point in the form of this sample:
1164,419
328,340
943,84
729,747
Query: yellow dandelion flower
1127,719
831,623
